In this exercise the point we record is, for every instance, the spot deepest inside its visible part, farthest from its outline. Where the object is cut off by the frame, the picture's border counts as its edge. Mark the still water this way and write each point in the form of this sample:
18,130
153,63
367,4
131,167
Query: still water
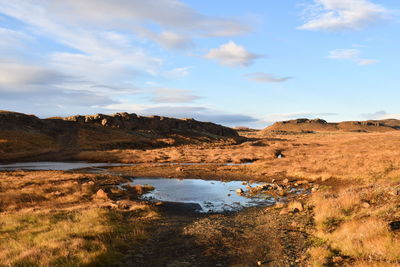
209,195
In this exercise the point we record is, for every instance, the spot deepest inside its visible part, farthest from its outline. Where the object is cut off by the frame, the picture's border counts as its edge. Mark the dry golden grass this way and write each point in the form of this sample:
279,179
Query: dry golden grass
366,239
54,218
319,256
349,156
354,221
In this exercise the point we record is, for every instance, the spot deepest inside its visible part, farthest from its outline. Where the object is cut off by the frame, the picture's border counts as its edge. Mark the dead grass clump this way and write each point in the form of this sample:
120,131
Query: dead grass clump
331,209
319,256
363,263
366,239
353,222
67,238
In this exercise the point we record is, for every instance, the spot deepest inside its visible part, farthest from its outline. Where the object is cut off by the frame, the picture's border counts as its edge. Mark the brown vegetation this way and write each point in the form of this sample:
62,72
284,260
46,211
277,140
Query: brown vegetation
57,219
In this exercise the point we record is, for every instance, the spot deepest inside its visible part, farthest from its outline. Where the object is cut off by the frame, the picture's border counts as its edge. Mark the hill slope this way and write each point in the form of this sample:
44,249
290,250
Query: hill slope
29,137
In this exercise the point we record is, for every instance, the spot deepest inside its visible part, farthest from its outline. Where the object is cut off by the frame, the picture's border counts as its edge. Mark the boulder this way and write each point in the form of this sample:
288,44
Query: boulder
101,194
295,206
394,226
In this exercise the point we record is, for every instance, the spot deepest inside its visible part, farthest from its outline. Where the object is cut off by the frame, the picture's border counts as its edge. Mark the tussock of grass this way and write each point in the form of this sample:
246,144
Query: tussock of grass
331,209
366,239
319,256
355,230
53,218
68,238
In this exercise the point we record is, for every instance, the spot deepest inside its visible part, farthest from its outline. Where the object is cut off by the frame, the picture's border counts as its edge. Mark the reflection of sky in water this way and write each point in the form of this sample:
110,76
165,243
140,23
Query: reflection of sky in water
210,195
54,166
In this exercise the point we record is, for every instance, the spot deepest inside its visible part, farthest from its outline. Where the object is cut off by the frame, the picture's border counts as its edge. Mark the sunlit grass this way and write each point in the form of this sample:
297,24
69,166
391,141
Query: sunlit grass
68,238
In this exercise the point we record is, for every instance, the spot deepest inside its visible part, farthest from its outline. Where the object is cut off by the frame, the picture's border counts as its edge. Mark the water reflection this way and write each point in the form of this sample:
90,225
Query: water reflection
212,196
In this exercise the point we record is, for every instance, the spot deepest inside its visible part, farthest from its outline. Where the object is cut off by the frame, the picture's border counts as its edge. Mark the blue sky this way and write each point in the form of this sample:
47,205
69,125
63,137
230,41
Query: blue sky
245,63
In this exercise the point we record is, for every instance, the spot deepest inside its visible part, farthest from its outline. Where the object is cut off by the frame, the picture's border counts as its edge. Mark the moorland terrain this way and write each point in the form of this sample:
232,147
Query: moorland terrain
345,211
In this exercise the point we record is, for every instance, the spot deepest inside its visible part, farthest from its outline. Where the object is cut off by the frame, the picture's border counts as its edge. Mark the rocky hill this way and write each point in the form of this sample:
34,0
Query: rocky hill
319,125
27,137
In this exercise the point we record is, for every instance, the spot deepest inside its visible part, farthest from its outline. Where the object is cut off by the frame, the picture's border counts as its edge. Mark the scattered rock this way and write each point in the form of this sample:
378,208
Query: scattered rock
337,259
282,193
302,182
110,205
294,224
101,194
394,226
365,205
179,169
394,192
279,205
285,181
295,206
159,203
239,191
284,211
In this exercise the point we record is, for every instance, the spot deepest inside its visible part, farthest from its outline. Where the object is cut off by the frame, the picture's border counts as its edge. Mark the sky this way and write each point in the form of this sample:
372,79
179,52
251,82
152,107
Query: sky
236,63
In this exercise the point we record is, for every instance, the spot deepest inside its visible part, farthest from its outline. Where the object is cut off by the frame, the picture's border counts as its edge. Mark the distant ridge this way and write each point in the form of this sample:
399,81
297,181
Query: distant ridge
320,125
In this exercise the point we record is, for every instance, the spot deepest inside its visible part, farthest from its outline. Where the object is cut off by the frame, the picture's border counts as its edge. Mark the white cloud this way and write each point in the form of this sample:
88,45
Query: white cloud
22,77
178,72
381,115
173,40
333,15
167,39
266,78
352,55
170,14
365,62
9,39
171,95
231,54
26,86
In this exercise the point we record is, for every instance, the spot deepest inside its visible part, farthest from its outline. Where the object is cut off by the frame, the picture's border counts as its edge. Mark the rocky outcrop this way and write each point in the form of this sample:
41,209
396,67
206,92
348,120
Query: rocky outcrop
26,137
158,124
319,125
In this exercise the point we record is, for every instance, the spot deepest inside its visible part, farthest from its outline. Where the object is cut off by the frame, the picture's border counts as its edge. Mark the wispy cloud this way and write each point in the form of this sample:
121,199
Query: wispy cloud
266,78
171,95
231,54
335,15
380,115
352,55
178,72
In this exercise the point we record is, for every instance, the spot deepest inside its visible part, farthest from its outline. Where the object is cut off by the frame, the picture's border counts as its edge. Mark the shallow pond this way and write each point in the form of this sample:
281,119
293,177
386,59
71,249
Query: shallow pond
207,195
